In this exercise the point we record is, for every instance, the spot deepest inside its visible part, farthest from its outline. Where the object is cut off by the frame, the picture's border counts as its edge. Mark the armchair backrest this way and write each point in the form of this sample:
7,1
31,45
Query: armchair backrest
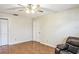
73,41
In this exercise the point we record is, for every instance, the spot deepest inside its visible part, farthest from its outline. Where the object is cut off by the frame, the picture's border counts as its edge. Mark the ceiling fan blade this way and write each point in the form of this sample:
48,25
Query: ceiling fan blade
21,5
15,8
14,14
40,11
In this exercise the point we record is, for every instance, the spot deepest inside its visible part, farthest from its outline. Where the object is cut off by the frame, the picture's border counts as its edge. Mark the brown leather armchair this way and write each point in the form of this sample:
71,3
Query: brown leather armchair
70,47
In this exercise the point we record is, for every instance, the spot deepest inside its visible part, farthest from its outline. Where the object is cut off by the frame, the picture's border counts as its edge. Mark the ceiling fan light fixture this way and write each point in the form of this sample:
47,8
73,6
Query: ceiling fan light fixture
30,8
27,11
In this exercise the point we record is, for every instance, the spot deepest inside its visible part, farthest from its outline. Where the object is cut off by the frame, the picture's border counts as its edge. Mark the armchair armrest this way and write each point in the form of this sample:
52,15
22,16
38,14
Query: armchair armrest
57,50
62,46
59,47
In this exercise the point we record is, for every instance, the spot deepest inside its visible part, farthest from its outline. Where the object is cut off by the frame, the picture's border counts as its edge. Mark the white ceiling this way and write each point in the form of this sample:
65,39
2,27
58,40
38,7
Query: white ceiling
60,7
48,8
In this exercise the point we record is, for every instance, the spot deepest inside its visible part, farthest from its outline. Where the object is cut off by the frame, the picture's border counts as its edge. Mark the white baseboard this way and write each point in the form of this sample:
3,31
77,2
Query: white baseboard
13,43
47,44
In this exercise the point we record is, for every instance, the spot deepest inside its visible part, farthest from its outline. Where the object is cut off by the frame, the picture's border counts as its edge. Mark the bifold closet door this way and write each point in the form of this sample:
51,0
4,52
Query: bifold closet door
3,32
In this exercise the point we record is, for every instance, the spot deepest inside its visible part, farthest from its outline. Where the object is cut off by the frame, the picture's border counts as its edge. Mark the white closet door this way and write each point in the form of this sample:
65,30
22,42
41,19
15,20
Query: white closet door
36,30
3,32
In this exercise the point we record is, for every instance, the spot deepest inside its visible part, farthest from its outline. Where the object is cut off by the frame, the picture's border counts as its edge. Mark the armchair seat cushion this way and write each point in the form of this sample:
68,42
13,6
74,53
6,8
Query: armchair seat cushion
65,52
73,49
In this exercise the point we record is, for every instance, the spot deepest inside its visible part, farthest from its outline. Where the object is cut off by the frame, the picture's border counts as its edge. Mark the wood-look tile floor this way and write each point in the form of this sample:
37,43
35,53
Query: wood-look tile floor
31,47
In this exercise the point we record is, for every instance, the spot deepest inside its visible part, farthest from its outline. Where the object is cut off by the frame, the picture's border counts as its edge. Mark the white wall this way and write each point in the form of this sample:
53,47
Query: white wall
56,27
20,28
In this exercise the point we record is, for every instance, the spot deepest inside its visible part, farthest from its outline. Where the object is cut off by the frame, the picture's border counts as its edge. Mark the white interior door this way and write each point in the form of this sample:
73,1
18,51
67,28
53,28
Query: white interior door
3,32
36,30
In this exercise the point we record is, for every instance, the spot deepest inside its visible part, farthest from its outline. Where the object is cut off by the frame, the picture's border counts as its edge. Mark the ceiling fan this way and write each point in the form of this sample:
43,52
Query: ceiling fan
29,8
